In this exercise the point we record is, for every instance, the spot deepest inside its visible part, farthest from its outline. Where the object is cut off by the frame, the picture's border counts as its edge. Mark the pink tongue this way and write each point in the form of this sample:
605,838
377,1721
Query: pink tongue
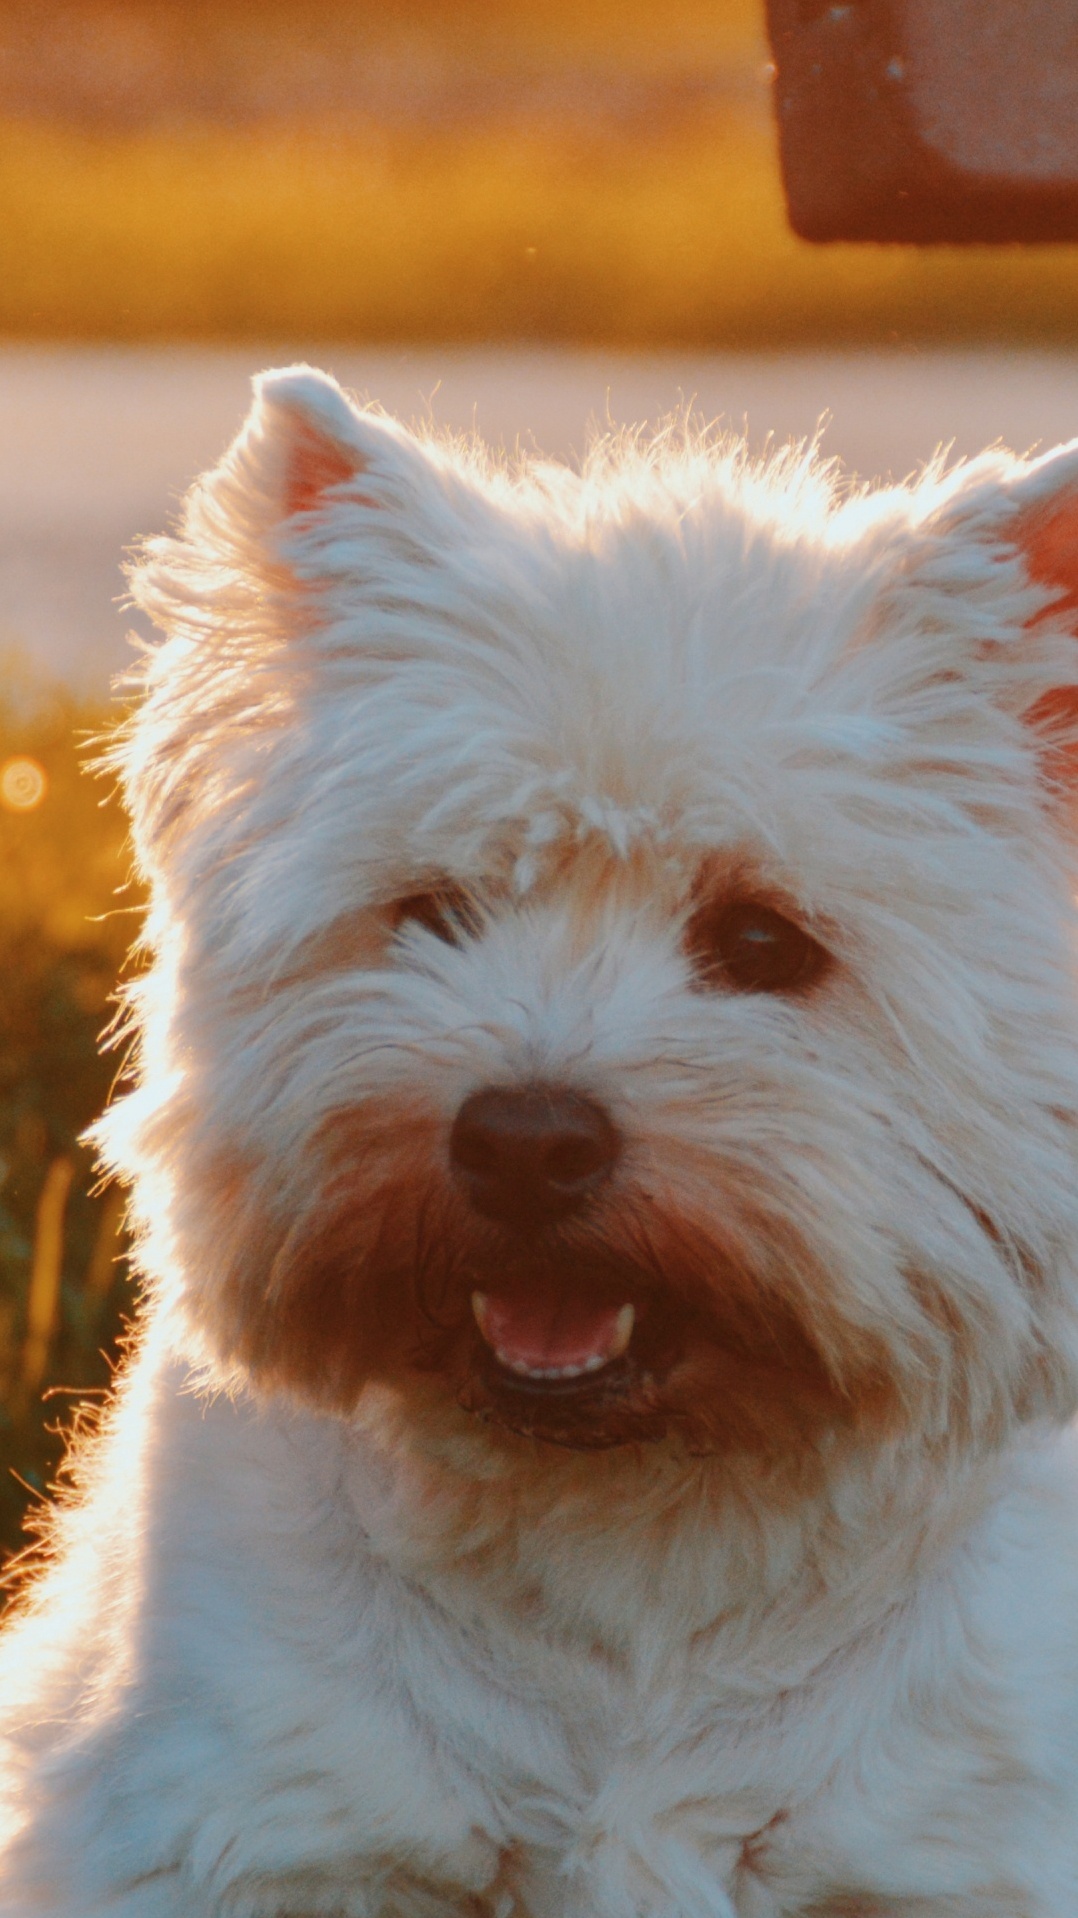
549,1332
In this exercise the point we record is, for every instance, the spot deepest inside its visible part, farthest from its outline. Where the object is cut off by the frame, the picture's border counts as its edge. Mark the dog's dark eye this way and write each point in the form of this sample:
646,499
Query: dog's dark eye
752,948
448,911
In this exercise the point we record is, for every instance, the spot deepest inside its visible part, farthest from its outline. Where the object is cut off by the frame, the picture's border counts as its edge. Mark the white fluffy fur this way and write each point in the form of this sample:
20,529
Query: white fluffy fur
290,1658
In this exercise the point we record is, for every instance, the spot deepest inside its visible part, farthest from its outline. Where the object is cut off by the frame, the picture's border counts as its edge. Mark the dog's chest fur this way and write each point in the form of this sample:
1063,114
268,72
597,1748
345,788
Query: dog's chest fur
798,1766
479,1757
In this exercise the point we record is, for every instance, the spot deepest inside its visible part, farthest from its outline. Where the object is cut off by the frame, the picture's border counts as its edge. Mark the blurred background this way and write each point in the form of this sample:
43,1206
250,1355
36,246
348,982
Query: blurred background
535,218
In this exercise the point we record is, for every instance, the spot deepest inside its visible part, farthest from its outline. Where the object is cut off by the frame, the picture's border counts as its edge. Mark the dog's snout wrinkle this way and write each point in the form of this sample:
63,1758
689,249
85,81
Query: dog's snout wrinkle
531,1153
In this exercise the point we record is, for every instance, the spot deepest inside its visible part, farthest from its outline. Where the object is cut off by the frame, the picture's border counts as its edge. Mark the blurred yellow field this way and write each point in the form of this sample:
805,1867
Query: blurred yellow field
680,237
63,935
580,176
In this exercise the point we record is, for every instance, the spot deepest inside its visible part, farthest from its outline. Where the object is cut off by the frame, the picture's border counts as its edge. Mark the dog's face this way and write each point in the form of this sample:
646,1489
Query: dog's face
614,938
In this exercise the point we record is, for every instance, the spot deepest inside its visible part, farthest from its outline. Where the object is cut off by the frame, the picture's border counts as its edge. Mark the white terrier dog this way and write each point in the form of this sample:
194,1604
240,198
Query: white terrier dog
606,1169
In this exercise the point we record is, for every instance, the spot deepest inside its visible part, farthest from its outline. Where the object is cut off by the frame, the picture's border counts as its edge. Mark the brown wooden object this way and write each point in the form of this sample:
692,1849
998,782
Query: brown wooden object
928,120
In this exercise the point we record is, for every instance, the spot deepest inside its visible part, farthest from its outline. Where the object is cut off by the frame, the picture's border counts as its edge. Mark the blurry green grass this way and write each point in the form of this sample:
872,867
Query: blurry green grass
62,944
659,234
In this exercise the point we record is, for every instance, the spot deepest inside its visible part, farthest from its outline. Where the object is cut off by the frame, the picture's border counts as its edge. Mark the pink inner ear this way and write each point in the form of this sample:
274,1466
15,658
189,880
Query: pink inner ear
1048,537
313,463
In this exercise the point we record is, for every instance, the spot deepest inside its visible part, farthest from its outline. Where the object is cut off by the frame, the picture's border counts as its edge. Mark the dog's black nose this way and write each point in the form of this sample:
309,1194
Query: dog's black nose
531,1154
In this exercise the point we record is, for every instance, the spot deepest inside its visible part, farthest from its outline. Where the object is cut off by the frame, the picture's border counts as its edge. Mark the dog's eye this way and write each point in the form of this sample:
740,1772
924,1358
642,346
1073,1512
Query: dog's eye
447,911
752,948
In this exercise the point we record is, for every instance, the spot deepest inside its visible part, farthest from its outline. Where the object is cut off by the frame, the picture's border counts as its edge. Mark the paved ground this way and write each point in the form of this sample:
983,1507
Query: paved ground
96,445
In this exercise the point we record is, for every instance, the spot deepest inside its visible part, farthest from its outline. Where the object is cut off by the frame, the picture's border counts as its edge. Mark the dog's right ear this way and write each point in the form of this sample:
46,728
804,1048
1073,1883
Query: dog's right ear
313,491
302,438
303,449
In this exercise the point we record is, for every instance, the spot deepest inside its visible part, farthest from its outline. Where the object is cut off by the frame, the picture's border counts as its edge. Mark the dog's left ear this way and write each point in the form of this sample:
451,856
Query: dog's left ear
1043,529
1008,559
1041,523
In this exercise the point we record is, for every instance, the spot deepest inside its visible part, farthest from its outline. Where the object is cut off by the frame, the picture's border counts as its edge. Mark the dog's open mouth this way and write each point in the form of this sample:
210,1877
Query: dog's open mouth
543,1341
558,1365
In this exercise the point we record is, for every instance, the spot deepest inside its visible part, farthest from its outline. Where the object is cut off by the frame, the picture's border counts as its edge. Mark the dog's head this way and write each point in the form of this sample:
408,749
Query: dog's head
614,936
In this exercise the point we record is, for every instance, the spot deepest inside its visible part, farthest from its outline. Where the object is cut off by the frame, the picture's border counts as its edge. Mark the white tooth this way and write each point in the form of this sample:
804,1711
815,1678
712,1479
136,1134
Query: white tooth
622,1334
480,1303
623,1331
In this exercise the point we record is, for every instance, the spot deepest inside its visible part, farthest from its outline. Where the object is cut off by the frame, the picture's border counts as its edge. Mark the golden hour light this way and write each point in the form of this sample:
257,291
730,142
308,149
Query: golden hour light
23,784
538,1024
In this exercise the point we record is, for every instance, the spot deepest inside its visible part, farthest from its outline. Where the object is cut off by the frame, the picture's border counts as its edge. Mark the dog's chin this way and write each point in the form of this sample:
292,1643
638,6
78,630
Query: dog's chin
618,1404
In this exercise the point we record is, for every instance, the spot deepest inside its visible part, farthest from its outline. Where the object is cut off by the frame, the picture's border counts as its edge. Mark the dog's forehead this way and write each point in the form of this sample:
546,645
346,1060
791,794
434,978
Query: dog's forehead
652,680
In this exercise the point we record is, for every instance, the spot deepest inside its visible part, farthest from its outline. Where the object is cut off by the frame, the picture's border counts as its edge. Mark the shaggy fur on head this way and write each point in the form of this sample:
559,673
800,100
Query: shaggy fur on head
687,1528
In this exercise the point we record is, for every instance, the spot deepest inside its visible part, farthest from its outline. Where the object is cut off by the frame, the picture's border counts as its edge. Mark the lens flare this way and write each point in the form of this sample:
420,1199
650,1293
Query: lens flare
23,784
